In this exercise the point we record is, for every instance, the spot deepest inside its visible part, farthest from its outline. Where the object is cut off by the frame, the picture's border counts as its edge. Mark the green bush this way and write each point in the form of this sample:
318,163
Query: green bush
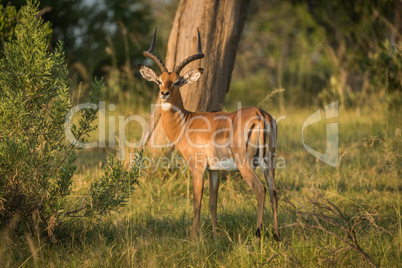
8,21
36,161
385,70
113,188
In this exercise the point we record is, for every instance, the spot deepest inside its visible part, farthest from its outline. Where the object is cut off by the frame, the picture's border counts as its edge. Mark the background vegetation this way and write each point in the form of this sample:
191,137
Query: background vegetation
317,52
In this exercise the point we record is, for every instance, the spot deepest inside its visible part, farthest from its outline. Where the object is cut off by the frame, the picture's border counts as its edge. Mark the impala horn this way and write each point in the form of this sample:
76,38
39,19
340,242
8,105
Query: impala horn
197,56
153,57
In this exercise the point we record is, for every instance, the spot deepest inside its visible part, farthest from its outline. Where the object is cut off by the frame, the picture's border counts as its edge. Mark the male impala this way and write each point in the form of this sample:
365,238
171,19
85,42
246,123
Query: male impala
213,141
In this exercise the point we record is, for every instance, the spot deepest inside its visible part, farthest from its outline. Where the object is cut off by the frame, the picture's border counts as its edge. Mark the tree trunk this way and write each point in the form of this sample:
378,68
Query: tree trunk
220,23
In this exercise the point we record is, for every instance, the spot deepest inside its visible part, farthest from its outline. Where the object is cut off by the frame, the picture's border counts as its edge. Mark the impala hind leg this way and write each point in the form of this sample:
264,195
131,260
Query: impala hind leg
252,180
269,174
213,198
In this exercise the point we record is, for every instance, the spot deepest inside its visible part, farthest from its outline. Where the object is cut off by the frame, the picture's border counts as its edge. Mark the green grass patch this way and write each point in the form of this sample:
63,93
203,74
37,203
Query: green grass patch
154,229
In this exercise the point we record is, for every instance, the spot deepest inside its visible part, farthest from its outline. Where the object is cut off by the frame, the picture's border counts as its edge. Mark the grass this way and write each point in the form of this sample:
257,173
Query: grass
154,229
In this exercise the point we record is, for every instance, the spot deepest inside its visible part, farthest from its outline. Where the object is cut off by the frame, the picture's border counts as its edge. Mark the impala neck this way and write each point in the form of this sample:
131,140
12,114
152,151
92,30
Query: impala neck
174,116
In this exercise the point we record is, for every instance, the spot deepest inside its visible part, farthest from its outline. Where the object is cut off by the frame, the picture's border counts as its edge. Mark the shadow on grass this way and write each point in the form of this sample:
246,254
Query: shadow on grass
232,226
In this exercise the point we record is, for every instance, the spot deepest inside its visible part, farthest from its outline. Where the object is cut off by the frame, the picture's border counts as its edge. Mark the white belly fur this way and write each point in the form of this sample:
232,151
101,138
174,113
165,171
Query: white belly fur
226,164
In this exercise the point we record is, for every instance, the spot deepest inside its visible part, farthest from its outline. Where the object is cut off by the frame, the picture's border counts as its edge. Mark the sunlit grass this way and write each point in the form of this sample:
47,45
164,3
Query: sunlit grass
154,229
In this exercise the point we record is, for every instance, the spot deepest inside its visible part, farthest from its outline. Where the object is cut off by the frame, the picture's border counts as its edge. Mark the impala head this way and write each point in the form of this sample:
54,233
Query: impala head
170,82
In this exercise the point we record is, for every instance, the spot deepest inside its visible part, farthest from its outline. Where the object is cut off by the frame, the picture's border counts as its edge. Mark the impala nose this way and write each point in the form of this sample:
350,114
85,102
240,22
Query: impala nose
165,95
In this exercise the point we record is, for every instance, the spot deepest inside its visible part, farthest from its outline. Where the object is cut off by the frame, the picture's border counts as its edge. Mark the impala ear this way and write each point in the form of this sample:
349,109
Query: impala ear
191,76
148,73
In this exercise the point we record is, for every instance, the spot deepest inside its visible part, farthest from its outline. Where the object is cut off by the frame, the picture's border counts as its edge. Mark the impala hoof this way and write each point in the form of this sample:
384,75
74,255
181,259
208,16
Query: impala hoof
277,238
258,232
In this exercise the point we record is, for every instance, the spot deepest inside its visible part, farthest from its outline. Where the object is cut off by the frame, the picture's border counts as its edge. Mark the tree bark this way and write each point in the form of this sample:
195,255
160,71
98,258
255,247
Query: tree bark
220,23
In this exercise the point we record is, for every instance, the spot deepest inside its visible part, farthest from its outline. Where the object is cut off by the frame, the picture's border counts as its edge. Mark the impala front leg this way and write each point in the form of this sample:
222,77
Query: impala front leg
198,187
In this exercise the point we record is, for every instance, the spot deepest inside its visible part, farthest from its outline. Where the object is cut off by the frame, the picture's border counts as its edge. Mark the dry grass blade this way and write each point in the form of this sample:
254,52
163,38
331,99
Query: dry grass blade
270,95
270,259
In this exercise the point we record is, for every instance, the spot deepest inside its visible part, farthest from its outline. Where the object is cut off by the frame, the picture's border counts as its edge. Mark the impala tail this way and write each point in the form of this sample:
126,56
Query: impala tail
266,142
